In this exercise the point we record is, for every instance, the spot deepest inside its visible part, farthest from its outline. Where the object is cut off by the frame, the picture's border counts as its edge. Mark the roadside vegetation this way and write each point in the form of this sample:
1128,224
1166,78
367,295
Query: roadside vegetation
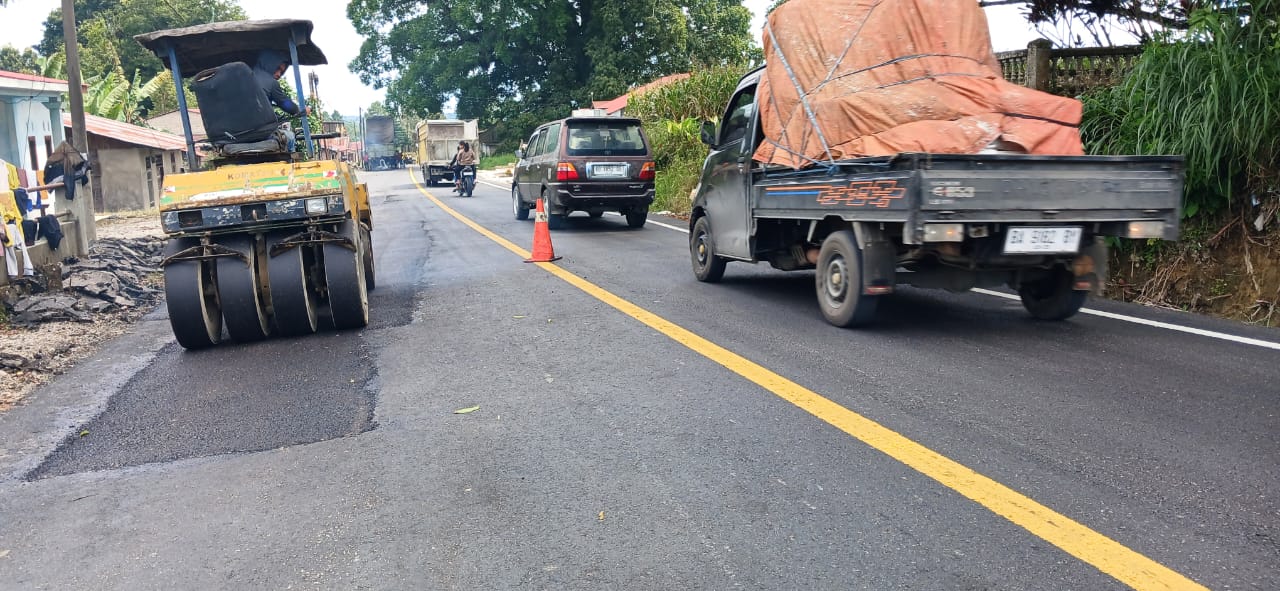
673,115
1212,97
496,161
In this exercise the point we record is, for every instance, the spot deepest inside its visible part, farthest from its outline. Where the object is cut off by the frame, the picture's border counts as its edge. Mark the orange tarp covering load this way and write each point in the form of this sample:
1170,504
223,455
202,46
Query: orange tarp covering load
854,78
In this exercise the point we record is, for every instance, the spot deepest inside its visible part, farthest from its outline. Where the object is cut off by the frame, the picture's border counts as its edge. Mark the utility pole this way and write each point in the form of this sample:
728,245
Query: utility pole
81,208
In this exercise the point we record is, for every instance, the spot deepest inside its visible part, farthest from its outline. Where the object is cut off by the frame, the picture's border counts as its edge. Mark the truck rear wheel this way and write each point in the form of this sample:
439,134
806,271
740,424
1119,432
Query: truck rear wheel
839,282
344,277
191,292
246,317
707,267
1054,297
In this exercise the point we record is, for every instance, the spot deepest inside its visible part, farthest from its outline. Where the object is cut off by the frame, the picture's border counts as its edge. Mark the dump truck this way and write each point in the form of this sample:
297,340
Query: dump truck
262,241
380,150
437,143
875,177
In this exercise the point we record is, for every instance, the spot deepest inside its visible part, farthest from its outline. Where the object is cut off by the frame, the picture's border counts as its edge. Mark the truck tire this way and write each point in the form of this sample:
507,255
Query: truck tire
1054,297
838,281
518,206
707,267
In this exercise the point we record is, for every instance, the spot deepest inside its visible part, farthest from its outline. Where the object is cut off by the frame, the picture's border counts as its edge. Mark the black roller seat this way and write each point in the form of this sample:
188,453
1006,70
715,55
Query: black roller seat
236,113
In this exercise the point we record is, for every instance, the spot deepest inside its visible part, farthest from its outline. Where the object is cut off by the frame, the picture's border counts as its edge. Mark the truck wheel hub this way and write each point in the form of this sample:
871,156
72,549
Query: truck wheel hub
836,282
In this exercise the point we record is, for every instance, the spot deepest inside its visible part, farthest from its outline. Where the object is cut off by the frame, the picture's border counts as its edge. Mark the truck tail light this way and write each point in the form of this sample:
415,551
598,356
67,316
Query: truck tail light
566,172
647,171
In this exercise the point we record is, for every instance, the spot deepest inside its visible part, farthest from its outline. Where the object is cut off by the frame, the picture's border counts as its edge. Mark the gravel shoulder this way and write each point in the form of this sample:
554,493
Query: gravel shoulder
102,295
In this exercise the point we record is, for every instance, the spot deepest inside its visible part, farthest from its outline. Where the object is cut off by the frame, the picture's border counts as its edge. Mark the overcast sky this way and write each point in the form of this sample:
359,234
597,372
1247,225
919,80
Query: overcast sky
23,22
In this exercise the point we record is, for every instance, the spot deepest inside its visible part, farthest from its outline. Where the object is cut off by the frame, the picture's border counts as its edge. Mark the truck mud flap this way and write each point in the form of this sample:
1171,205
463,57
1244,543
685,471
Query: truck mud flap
879,259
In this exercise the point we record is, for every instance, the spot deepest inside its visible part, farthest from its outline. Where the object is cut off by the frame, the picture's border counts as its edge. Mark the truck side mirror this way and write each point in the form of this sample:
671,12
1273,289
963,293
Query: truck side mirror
520,154
708,133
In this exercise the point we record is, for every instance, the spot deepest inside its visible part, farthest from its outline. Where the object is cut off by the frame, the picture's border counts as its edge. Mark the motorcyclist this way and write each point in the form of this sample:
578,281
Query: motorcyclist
464,157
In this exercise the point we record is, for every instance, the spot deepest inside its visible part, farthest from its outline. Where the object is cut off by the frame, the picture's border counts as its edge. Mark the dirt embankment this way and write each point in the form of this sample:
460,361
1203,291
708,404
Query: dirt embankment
1227,268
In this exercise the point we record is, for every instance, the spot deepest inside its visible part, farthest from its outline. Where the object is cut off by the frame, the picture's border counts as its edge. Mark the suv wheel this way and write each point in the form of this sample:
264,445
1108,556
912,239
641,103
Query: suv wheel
636,217
518,206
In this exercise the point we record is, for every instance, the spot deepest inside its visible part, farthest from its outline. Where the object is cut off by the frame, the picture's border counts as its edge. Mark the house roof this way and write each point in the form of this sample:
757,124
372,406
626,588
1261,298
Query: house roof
174,126
611,106
128,133
31,84
617,104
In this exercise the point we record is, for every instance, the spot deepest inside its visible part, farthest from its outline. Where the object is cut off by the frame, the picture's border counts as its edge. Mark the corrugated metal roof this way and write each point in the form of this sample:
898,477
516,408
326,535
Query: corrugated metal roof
128,133
30,77
617,104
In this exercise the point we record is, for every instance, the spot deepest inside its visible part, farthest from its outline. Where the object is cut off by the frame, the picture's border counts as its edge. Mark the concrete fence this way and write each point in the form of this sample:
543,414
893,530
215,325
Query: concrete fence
1067,72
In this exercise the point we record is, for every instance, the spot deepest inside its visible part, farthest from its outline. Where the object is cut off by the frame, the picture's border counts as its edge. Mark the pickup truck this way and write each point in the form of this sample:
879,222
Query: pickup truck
1034,223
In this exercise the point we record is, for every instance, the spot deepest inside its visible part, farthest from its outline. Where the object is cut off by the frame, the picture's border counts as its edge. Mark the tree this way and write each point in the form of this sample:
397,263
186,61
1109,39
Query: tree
24,61
1145,19
514,63
115,22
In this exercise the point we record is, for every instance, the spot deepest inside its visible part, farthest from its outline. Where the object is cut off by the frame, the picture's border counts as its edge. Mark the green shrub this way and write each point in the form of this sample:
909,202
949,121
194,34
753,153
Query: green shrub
701,96
673,116
1211,97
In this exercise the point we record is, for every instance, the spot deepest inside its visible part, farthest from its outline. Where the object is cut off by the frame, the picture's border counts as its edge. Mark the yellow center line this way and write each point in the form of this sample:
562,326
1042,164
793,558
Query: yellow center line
1105,554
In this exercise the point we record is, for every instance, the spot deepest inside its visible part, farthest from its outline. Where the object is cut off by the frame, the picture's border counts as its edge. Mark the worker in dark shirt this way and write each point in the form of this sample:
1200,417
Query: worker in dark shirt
270,67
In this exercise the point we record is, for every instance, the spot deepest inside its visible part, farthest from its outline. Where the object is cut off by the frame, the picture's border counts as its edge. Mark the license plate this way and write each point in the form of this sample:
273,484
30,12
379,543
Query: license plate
609,171
1040,240
468,173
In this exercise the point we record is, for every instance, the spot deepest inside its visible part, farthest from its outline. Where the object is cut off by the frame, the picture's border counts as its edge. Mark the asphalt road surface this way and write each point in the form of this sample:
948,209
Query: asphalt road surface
637,429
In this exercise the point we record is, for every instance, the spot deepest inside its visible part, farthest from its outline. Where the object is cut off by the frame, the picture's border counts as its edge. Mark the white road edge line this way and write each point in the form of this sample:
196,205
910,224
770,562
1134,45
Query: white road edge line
1155,323
1112,315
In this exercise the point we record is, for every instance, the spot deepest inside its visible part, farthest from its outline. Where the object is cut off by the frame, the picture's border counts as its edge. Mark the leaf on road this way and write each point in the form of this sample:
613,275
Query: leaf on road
463,411
602,516
84,433
519,316
4,553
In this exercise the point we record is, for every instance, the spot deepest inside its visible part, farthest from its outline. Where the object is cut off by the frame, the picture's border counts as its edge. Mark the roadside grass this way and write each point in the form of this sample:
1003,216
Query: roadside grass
497,161
674,183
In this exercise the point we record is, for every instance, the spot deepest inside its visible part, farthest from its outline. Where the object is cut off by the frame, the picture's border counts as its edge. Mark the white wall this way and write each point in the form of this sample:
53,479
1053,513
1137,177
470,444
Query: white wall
29,117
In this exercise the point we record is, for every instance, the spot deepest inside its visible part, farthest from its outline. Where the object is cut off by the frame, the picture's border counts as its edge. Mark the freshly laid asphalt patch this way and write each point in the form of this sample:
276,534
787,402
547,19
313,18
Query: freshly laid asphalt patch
272,394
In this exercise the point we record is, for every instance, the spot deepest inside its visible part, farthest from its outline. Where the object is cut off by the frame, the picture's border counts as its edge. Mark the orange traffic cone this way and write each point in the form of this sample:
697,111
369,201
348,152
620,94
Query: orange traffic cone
542,250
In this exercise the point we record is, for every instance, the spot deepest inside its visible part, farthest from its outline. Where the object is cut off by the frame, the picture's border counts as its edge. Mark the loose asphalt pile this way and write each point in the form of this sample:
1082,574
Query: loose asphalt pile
112,281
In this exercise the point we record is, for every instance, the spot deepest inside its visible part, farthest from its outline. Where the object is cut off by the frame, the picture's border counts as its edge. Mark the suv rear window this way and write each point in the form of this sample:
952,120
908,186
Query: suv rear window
605,138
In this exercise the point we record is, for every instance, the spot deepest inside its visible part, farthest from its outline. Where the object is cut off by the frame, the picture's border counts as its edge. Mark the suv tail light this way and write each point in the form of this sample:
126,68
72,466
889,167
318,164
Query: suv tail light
566,172
647,171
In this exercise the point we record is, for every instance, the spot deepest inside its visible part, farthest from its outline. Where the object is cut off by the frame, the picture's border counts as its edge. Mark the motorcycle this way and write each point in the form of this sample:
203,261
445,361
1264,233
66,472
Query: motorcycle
467,181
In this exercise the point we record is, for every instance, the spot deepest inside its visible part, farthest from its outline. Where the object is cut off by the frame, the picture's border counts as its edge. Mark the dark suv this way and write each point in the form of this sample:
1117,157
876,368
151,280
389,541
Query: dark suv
591,164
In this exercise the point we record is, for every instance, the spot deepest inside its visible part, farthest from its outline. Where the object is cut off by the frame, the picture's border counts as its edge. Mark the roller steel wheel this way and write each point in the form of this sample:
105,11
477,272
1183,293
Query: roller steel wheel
839,282
191,291
242,305
293,299
366,238
344,275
